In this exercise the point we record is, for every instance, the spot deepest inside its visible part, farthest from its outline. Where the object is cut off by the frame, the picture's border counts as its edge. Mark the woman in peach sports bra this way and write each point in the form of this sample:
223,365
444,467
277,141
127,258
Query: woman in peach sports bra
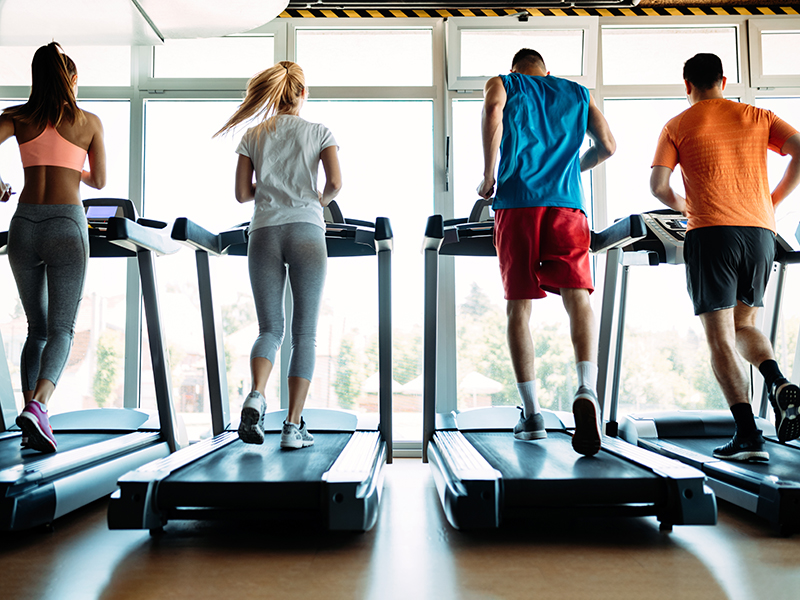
48,243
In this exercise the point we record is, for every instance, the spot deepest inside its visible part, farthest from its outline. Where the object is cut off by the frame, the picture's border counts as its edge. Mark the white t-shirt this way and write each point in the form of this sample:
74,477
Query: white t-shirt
286,162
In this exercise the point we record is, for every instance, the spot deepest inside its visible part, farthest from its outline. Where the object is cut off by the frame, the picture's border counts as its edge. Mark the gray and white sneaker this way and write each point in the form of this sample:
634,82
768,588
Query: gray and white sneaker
251,425
293,437
531,428
587,437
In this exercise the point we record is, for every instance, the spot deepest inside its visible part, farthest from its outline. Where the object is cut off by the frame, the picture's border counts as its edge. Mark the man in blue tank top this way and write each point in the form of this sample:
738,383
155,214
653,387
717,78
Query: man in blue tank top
537,123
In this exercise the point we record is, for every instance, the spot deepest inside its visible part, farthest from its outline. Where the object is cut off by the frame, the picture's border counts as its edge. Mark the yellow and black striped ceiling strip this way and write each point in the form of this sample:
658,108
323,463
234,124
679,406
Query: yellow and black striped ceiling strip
542,12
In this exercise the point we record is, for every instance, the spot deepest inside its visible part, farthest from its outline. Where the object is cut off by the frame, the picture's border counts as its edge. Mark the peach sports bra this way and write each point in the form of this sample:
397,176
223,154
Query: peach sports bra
50,149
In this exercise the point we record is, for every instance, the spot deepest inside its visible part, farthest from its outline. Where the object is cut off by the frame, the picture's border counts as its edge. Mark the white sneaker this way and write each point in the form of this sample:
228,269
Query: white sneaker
251,425
295,437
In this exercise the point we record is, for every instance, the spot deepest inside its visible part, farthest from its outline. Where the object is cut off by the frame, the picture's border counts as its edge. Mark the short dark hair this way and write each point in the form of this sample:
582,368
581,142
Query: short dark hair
704,71
528,57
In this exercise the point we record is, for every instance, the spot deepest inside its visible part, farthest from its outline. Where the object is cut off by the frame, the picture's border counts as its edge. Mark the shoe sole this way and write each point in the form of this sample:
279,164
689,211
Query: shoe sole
748,456
251,427
788,405
527,436
295,446
37,439
586,439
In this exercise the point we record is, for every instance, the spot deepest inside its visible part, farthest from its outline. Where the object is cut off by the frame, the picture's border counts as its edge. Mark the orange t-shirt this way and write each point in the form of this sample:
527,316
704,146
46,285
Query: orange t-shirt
721,146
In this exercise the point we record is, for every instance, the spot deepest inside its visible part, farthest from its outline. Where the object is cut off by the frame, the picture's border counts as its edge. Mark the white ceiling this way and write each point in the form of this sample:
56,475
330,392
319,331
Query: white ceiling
128,22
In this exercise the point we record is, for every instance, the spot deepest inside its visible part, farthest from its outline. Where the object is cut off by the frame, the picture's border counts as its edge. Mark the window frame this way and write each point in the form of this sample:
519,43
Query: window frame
755,28
457,25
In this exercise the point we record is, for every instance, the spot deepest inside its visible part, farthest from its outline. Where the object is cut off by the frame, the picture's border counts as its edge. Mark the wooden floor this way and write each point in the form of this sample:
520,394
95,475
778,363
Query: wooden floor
412,553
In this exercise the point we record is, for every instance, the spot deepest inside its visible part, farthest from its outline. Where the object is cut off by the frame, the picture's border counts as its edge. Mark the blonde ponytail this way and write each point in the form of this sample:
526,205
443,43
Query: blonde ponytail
278,88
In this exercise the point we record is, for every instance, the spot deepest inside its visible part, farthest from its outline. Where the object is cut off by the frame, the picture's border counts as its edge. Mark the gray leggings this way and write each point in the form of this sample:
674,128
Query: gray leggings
301,247
48,249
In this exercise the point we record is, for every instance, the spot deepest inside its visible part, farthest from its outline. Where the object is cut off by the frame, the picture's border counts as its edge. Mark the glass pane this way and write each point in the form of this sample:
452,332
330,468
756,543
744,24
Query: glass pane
636,56
779,51
481,308
365,57
665,364
97,65
397,183
787,216
636,125
489,52
466,152
93,376
215,57
197,183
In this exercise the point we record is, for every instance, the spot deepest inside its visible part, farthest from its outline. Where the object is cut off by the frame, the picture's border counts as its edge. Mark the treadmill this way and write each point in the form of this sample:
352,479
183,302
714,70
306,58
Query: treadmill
96,446
772,489
336,482
485,477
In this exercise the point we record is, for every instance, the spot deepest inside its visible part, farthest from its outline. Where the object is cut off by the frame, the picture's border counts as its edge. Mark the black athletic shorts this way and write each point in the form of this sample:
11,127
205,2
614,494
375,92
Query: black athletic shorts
725,265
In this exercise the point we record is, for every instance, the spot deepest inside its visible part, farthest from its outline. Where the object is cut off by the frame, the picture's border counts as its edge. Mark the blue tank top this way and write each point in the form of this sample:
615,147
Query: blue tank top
544,124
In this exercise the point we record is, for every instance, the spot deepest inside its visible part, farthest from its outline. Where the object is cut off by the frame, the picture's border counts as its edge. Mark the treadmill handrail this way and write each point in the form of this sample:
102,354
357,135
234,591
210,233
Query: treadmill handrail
190,233
621,233
133,236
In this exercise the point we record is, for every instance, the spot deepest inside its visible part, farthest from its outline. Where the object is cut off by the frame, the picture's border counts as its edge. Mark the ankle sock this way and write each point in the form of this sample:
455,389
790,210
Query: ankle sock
587,374
771,372
527,392
743,416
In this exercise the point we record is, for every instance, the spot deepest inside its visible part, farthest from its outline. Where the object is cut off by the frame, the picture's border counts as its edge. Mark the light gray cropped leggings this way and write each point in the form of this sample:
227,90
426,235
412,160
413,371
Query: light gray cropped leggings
48,249
301,248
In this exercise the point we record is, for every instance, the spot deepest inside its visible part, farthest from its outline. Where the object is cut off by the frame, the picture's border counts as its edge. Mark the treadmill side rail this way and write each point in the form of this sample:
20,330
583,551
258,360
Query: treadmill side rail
468,486
135,505
354,483
691,501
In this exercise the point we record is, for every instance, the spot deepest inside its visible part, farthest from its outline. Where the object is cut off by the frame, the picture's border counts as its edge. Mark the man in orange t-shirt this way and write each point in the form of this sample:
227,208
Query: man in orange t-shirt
721,146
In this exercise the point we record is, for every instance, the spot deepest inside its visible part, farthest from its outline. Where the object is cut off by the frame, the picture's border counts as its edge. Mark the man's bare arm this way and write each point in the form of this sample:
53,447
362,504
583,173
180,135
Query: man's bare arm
600,133
660,188
491,132
791,177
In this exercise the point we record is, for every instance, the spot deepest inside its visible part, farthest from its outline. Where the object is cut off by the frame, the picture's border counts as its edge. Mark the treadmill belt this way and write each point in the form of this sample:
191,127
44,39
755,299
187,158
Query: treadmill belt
548,472
11,454
249,475
784,460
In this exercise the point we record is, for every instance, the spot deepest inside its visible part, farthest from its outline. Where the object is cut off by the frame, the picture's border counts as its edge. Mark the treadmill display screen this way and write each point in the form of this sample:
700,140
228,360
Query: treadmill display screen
101,212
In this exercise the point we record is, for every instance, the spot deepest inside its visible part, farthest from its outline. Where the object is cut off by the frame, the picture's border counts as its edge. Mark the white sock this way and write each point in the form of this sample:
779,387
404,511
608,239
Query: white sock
587,374
527,392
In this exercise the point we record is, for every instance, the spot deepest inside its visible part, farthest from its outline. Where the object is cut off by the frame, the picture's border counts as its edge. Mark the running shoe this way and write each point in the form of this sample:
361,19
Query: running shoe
586,439
36,427
744,449
531,428
785,399
294,437
251,424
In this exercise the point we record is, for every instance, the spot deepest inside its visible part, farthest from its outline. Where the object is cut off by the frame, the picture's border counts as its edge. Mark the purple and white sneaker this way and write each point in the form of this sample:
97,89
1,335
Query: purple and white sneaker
36,427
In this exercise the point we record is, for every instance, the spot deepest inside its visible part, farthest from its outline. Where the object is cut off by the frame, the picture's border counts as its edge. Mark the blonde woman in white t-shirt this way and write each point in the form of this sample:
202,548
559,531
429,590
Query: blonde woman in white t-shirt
278,163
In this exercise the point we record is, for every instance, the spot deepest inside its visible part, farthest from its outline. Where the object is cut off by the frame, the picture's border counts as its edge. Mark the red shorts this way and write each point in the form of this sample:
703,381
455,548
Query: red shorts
542,249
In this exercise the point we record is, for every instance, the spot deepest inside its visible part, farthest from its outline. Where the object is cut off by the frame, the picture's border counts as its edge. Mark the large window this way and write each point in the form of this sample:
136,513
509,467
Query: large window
365,57
655,55
403,99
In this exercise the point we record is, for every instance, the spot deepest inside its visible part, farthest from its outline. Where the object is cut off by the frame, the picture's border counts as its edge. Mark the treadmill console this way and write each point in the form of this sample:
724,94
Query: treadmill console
100,210
666,231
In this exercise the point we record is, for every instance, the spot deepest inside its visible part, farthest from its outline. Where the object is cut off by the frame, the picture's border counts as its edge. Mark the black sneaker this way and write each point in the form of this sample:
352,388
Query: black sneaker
785,399
750,448
531,428
586,439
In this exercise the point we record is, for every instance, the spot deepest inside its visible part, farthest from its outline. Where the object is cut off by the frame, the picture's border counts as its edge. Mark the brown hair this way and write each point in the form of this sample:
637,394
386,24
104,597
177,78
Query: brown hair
52,98
278,88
